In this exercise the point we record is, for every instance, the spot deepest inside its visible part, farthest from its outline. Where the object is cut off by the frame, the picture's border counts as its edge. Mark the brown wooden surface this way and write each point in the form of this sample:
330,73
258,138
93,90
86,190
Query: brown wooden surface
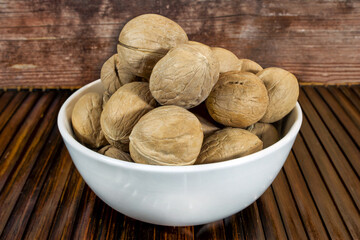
46,44
315,195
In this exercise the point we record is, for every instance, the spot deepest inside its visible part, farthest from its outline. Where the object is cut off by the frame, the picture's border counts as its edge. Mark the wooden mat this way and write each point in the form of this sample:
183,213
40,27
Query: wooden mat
316,195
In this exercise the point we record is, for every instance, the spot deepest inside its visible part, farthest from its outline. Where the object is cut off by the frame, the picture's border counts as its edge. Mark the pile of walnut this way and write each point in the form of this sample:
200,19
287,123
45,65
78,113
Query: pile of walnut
154,89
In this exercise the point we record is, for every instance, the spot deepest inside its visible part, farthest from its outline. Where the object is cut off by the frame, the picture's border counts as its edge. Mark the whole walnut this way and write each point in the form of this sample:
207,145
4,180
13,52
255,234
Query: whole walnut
283,90
247,65
125,107
114,74
266,132
114,152
167,135
239,99
144,40
85,120
227,60
228,143
185,76
208,125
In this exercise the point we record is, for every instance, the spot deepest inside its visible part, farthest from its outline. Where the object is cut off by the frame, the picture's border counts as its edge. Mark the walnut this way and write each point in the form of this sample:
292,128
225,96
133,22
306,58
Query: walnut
123,110
114,73
85,120
227,60
239,99
228,143
247,65
185,76
114,152
283,90
167,135
144,40
266,132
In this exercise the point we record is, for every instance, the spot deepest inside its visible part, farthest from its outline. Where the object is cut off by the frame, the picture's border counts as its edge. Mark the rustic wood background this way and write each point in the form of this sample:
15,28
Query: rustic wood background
52,44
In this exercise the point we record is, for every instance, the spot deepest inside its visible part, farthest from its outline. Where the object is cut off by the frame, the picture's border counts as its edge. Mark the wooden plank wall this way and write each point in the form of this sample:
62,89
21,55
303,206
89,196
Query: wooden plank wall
51,44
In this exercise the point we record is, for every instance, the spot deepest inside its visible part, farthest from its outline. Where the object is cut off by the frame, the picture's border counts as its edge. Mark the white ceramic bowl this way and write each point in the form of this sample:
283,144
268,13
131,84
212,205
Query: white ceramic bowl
177,195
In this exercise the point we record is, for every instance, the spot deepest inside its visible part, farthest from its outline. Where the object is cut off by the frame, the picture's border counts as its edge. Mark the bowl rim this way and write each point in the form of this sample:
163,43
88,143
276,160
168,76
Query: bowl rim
67,137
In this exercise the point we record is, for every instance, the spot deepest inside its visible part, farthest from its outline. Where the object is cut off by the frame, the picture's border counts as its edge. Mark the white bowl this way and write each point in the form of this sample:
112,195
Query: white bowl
177,195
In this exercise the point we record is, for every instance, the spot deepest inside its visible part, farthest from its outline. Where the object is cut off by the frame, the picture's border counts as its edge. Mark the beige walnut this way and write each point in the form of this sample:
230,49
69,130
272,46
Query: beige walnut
247,65
114,73
239,99
266,132
228,143
185,76
125,107
85,120
227,60
283,90
114,152
167,135
144,40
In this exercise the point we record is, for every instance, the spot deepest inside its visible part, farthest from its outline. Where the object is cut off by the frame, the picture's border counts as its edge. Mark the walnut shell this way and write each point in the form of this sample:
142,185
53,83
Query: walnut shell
167,135
85,120
247,65
144,40
185,76
114,73
227,60
239,99
266,132
125,107
114,152
283,90
228,143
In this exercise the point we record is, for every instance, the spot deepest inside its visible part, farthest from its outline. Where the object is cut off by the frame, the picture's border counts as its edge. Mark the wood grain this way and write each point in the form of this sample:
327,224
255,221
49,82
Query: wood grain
65,44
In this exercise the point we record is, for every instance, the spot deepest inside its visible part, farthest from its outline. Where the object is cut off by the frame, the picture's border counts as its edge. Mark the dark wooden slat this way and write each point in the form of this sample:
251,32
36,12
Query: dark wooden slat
307,209
11,108
324,202
137,229
342,166
346,105
233,227
15,226
5,99
84,225
214,230
174,233
18,144
341,196
351,96
7,134
356,89
41,219
69,202
17,179
252,223
106,230
346,121
292,221
270,216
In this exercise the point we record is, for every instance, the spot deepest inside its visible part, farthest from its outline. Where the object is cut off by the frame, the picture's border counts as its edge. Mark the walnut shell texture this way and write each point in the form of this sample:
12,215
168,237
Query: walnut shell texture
283,90
228,143
266,132
167,135
125,107
228,61
85,120
247,65
239,99
114,152
144,40
185,76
